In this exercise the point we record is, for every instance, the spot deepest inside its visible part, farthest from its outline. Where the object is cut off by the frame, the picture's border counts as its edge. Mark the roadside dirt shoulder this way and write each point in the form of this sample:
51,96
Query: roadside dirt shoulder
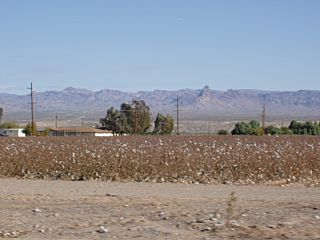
39,209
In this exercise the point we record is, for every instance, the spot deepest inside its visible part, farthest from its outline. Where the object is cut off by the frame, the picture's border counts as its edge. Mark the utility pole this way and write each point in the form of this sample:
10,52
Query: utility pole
178,133
135,118
263,118
135,102
32,110
56,124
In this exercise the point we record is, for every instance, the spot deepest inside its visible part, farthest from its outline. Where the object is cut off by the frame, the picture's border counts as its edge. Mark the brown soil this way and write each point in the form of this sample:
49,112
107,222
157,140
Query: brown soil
38,209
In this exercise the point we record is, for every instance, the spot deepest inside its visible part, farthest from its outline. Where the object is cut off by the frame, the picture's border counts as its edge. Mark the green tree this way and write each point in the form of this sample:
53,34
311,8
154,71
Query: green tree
317,128
30,130
8,125
285,131
138,116
294,126
272,130
304,128
115,121
223,132
241,128
163,124
127,111
247,128
133,118
254,124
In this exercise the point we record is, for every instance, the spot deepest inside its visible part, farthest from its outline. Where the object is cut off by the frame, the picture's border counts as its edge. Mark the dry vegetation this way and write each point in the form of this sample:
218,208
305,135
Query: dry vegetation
189,159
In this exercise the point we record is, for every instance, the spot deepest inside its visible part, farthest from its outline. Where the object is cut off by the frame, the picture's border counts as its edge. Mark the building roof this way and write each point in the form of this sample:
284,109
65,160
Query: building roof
81,130
10,129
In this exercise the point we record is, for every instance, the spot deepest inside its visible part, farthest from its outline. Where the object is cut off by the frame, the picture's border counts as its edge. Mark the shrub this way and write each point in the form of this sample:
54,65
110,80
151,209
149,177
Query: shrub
223,132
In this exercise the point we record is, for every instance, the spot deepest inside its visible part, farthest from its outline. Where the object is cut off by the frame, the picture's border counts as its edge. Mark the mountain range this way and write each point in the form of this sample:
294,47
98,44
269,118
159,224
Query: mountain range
193,104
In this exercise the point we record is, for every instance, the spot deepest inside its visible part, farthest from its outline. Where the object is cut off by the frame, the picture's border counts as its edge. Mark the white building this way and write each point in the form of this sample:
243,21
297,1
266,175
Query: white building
79,131
12,132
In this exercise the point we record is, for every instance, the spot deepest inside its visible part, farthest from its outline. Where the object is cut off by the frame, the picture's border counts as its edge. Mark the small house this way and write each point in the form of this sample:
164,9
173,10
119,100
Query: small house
79,131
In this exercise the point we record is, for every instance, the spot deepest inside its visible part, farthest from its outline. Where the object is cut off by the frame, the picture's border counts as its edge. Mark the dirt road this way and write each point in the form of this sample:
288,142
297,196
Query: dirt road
38,209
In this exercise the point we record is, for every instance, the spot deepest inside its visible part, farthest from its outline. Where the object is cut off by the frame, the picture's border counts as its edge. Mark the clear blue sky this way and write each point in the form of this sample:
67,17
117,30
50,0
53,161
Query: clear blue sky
169,44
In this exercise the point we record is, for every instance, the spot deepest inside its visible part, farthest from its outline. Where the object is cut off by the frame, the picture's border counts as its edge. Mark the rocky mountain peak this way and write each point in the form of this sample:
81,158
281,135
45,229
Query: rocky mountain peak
205,92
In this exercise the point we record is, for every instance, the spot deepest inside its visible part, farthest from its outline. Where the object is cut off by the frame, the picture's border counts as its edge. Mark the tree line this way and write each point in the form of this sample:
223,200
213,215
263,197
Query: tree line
135,118
295,127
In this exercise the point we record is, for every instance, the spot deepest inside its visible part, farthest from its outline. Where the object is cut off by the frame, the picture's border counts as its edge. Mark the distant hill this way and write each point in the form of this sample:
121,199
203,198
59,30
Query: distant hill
194,104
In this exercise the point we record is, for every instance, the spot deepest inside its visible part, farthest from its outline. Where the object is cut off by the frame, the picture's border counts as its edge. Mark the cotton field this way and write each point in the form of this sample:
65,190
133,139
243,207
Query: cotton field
185,159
